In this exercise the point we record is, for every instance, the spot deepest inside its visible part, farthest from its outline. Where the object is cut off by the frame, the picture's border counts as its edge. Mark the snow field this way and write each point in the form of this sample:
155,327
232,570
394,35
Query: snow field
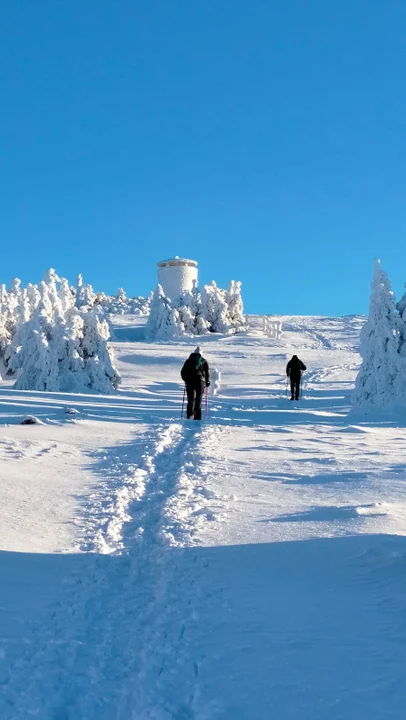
248,567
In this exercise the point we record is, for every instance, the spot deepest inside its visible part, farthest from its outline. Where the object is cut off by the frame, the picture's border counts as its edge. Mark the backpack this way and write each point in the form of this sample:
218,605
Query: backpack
194,367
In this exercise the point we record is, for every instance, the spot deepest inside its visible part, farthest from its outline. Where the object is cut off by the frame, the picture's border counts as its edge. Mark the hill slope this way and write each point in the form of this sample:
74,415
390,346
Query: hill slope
248,567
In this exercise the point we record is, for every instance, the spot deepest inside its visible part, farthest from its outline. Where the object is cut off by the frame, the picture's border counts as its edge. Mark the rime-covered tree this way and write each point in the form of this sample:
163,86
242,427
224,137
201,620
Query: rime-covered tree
63,348
184,305
378,379
208,304
85,295
66,296
16,307
200,322
235,306
401,306
164,321
35,348
215,309
97,354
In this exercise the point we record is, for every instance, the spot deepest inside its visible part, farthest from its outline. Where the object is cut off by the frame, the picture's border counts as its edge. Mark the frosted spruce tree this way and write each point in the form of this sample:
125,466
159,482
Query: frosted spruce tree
16,307
35,348
99,371
196,313
200,322
401,381
63,348
221,319
85,295
184,305
377,382
215,309
401,306
164,321
235,306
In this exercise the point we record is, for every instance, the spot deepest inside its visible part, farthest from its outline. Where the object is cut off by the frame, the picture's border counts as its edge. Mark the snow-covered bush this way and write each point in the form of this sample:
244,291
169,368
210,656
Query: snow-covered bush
215,378
381,379
120,304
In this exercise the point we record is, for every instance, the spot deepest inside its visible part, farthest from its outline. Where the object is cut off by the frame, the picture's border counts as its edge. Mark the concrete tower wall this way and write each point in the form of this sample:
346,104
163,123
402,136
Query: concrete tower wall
177,275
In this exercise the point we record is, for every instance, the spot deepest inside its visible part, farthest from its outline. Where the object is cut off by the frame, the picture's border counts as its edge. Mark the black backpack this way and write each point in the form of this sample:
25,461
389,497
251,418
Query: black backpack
194,367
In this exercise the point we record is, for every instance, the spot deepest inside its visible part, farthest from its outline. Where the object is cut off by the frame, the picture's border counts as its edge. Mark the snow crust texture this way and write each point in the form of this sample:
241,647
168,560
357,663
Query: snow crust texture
250,566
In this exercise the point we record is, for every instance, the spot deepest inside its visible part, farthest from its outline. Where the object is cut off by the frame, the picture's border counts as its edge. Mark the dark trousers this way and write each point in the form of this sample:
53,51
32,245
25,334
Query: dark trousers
195,391
295,387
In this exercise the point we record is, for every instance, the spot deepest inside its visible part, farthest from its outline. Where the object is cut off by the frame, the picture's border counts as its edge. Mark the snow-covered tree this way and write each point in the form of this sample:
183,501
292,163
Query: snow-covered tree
184,305
235,306
120,304
208,304
215,309
35,348
33,296
164,321
85,295
97,354
401,306
221,320
200,322
379,376
62,348
196,313
66,296
16,306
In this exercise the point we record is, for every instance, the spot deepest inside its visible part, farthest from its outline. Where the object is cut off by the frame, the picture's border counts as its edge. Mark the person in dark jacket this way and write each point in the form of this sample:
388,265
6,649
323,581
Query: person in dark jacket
196,376
294,370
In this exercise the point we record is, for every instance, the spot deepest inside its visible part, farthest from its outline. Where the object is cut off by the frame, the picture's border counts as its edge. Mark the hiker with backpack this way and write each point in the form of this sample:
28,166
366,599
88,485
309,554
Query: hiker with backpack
196,376
294,370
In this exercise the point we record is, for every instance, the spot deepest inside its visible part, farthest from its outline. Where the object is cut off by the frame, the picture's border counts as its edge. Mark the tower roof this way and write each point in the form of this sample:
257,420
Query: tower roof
177,262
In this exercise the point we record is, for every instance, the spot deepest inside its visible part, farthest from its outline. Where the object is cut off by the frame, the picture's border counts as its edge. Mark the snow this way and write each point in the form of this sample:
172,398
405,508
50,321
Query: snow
248,567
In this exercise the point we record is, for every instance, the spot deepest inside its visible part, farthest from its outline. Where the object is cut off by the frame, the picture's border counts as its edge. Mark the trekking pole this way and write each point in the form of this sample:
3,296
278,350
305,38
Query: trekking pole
183,400
207,402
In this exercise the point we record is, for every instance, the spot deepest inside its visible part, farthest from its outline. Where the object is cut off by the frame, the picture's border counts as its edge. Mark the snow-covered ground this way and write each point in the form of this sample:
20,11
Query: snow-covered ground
249,567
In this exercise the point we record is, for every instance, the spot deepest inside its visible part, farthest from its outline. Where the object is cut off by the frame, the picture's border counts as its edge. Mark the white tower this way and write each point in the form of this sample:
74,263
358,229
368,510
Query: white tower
177,275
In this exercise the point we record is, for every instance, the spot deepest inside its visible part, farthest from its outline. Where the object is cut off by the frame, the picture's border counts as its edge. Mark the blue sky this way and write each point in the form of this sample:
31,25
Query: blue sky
264,139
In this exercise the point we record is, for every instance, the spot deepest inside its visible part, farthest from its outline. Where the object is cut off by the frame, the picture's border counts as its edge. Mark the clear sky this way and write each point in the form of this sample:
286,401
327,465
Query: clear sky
265,139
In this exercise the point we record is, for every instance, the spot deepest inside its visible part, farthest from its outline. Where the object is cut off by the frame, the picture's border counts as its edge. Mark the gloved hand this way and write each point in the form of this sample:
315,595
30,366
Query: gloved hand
208,384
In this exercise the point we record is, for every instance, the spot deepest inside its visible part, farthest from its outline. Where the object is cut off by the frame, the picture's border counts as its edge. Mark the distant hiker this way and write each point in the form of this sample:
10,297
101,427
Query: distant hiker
294,370
196,376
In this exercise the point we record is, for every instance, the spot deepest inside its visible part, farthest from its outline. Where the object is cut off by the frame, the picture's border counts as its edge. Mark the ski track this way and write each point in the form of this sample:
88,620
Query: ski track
124,604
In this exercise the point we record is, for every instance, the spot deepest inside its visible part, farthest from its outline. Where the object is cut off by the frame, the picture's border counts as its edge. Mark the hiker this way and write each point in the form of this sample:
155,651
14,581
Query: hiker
196,376
294,370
